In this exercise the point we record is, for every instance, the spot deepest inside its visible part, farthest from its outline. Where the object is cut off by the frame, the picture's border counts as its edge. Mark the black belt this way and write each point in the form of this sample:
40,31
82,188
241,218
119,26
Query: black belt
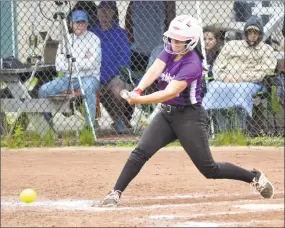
179,108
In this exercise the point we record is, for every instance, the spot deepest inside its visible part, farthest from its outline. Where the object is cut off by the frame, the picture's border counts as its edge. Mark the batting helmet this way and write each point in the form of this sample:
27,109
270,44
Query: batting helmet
183,28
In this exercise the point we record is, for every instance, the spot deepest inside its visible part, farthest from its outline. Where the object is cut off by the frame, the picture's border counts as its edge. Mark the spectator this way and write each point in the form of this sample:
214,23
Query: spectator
213,44
238,71
86,50
145,23
116,54
90,8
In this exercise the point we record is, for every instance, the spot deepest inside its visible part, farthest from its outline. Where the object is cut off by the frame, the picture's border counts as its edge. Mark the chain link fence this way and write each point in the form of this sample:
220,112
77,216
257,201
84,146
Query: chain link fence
61,75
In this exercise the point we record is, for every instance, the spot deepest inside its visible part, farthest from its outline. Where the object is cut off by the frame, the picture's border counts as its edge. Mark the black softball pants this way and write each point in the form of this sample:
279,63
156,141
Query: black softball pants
189,127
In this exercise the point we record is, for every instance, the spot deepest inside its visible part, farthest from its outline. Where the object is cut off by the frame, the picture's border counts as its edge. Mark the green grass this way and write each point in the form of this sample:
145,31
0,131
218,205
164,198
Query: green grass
16,140
266,141
86,137
230,138
69,139
22,139
49,139
125,144
237,138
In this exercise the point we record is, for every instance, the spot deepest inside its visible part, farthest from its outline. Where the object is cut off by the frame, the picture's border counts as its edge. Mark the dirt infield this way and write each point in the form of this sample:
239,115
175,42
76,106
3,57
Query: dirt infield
169,191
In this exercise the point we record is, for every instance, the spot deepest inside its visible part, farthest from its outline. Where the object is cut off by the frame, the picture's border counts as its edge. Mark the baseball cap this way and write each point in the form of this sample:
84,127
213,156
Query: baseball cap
107,4
253,27
79,15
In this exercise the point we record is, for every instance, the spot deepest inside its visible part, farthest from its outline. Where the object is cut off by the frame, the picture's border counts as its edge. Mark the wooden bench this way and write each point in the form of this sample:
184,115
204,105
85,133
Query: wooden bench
77,94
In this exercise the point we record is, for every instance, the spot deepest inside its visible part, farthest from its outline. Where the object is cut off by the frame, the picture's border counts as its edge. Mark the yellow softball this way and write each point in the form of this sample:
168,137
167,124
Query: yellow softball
28,195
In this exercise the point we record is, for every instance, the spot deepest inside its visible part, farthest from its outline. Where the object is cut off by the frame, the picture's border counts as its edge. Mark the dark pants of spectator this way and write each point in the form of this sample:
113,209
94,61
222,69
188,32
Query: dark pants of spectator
116,106
129,111
257,125
139,61
3,124
231,120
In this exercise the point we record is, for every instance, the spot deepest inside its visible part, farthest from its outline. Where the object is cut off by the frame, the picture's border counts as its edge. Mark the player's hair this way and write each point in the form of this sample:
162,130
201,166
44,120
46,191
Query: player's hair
183,28
198,50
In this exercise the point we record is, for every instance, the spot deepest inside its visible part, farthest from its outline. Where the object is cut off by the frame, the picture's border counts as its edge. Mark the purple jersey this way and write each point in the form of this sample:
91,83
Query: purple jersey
188,68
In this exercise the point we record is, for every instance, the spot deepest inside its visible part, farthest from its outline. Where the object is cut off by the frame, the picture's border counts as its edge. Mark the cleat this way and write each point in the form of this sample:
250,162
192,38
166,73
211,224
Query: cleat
112,199
262,185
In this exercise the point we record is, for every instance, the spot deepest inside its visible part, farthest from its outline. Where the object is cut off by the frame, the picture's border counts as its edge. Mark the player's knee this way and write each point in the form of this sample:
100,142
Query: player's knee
138,156
211,171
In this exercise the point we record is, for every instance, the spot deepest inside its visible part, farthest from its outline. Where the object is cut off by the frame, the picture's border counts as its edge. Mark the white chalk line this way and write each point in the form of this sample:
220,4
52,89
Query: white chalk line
261,207
161,220
270,207
86,205
227,224
195,196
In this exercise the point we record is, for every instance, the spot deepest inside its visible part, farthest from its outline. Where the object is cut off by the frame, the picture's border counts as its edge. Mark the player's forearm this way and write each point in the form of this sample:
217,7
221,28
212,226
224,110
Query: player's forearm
146,81
152,74
156,97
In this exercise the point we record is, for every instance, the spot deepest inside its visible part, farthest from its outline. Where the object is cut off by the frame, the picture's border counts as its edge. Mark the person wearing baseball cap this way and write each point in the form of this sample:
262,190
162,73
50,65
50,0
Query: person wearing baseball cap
86,49
79,15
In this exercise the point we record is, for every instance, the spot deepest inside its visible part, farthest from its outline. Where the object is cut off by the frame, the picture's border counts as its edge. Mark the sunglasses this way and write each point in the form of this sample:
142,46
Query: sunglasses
80,22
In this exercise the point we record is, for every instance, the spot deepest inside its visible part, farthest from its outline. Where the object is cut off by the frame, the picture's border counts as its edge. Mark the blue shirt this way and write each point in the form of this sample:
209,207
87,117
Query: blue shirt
116,52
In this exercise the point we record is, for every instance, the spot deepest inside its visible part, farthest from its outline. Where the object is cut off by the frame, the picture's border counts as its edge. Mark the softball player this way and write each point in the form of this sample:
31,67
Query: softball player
179,72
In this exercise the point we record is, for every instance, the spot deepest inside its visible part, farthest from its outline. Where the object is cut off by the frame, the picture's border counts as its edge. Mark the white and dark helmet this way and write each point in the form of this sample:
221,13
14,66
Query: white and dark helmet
183,28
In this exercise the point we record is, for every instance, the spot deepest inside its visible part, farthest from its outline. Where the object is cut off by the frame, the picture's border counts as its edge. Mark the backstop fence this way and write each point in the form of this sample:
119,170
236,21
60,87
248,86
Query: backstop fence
64,63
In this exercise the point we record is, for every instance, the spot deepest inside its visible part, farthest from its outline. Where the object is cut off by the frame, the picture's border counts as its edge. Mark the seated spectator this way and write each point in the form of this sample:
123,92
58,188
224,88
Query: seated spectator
86,50
90,8
116,54
213,45
238,71
145,23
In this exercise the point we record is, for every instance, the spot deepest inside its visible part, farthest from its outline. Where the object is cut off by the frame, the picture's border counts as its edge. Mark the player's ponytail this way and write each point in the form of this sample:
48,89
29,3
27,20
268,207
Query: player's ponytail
198,50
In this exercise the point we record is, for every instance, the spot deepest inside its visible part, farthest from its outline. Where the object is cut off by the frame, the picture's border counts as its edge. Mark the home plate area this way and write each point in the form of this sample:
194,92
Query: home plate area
71,183
197,211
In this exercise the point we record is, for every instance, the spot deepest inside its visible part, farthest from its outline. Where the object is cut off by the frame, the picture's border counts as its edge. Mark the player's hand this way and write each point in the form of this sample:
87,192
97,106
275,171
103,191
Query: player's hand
131,97
134,98
136,93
